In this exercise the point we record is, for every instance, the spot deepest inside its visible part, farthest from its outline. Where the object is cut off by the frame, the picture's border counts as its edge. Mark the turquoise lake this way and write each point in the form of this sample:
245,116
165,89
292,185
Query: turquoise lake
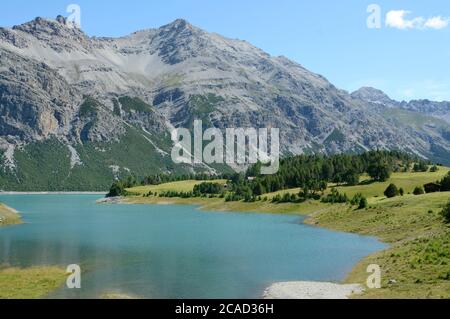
173,251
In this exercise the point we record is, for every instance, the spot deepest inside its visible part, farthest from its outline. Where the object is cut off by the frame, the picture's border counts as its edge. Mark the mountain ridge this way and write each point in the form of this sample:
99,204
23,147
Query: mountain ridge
58,83
439,109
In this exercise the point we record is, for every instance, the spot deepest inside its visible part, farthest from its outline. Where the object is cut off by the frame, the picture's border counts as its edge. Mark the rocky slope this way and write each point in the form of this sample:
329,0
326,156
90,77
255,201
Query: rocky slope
440,110
425,121
107,105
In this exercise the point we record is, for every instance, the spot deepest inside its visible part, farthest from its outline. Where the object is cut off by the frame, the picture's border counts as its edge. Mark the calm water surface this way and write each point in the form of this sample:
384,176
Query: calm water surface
173,251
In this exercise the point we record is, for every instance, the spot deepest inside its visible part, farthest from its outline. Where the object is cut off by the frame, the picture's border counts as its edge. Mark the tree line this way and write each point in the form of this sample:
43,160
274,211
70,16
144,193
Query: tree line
311,173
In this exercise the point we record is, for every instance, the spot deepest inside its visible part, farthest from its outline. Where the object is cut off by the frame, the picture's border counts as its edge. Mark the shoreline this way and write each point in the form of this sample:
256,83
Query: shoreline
33,282
9,216
311,290
219,205
277,290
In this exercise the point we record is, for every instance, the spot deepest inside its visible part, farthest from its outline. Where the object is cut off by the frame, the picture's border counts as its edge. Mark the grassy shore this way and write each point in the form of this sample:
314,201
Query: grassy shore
417,263
26,283
219,205
30,283
9,216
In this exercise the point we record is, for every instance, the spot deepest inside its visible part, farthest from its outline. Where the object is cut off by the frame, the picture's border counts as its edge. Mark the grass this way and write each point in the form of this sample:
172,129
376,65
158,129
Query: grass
216,204
392,220
419,255
407,181
8,216
417,262
419,267
30,283
183,186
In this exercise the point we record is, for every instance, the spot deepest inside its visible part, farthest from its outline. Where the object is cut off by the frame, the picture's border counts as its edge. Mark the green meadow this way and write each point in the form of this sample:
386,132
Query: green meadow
183,186
30,283
408,181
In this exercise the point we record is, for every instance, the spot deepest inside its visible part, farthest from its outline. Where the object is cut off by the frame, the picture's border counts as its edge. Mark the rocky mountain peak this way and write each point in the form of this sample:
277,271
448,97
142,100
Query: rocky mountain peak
179,41
56,33
180,28
179,24
62,20
39,25
372,95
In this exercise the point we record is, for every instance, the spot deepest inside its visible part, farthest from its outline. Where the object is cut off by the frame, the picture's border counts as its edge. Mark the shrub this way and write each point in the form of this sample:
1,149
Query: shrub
434,169
356,199
391,191
445,183
420,167
446,212
286,198
401,191
359,200
363,204
418,191
335,197
276,198
117,189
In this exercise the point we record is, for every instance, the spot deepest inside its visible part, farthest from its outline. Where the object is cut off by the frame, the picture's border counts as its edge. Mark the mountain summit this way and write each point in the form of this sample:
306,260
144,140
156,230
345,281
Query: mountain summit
106,105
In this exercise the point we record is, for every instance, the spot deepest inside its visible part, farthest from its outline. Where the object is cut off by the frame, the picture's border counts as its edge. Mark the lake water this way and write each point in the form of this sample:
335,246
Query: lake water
173,251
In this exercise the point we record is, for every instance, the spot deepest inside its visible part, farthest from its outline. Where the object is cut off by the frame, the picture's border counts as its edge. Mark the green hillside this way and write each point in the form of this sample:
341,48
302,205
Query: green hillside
46,166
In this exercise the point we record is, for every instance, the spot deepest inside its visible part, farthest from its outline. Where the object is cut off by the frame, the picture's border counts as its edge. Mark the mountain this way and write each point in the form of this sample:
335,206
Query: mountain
425,120
374,96
77,111
440,110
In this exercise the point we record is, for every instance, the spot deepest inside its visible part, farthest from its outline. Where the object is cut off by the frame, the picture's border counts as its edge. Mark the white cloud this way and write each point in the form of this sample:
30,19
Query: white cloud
437,23
397,19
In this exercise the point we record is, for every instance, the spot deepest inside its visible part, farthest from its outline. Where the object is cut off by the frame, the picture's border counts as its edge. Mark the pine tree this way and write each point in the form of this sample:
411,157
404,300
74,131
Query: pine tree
391,191
445,183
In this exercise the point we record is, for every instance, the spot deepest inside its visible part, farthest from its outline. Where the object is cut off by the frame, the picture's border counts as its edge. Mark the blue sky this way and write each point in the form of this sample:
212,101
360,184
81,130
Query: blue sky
408,59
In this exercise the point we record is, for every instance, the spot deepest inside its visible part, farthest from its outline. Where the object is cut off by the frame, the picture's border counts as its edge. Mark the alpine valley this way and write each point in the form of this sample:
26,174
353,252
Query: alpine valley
78,111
